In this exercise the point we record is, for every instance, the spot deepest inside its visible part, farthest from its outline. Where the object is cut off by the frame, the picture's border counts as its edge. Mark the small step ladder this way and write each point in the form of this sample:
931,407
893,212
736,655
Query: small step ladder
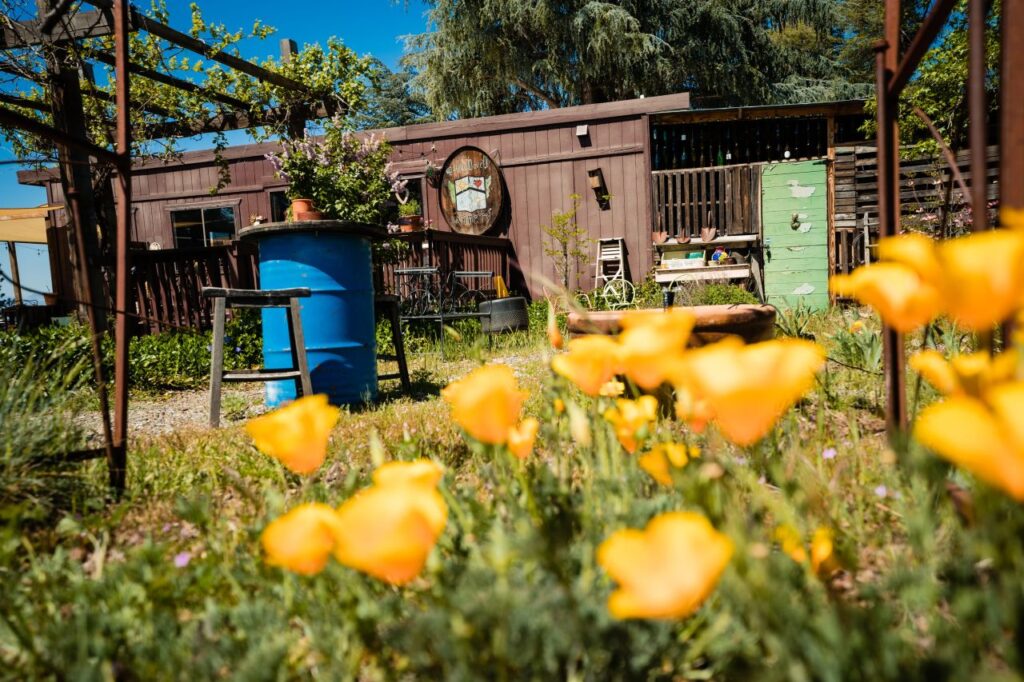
256,298
611,261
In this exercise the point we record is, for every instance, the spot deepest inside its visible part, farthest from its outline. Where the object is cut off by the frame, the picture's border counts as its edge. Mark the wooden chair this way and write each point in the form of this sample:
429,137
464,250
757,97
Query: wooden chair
386,306
255,298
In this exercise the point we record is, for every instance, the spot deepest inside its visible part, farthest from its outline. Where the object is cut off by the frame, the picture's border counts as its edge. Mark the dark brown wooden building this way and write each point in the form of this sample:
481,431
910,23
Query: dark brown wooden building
661,164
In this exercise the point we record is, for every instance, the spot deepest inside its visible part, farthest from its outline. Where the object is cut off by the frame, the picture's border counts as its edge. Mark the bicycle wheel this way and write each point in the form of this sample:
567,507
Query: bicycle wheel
452,303
470,300
618,293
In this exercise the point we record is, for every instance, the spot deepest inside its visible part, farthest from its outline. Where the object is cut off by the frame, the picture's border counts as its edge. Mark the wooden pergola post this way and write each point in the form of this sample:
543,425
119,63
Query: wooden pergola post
15,275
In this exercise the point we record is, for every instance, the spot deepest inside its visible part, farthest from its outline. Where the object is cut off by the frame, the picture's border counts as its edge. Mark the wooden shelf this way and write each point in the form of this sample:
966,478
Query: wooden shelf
701,244
710,272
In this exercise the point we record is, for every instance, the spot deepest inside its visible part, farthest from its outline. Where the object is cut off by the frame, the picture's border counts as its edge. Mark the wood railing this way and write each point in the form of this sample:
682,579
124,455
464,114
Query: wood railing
727,198
448,251
167,283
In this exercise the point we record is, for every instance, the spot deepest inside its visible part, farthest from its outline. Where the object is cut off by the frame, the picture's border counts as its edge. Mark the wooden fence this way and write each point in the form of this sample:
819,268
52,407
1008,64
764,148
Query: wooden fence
448,251
167,283
929,198
724,197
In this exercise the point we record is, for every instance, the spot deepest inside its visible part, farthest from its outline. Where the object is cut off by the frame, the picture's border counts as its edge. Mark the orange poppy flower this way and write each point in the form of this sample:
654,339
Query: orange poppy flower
589,363
666,570
982,277
486,402
914,250
822,552
302,540
554,333
612,389
419,472
296,434
790,542
1011,217
896,291
387,531
970,374
559,406
696,412
522,437
631,419
664,457
650,342
983,436
747,388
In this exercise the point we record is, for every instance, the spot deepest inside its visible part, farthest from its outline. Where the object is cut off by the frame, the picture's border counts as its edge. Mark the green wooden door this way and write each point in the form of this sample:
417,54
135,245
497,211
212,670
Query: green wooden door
795,219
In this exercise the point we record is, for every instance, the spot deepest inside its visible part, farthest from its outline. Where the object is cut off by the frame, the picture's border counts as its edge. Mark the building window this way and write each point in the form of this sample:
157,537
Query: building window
203,226
279,206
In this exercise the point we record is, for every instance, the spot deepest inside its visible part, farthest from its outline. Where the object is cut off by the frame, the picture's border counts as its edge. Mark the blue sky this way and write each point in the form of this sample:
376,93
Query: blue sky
368,27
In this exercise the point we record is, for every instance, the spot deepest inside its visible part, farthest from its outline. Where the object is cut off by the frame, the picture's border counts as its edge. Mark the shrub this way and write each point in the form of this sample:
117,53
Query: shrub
174,359
713,294
39,425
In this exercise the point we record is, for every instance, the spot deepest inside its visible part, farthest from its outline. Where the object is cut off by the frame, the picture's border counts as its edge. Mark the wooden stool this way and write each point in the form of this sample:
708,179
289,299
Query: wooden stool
385,306
255,298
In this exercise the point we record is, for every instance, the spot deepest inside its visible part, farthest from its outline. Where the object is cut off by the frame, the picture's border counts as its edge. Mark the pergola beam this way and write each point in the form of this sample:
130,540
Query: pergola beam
236,120
91,24
141,22
15,119
172,81
923,39
25,103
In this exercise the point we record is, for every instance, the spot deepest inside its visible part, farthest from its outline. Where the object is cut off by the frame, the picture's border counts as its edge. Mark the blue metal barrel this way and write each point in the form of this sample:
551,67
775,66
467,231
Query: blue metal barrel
333,259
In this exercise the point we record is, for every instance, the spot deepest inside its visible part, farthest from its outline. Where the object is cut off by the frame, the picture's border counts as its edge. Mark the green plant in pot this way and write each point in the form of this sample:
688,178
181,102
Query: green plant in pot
410,215
338,175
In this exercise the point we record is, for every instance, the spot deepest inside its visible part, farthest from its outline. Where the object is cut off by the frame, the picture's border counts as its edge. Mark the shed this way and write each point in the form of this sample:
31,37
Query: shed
659,165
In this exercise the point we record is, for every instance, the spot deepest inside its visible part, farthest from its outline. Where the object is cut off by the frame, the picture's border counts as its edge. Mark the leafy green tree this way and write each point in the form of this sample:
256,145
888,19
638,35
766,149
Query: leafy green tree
939,87
333,75
391,100
499,56
567,245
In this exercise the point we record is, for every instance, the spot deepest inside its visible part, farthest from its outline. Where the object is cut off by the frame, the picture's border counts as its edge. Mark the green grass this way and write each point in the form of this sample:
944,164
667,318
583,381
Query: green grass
513,590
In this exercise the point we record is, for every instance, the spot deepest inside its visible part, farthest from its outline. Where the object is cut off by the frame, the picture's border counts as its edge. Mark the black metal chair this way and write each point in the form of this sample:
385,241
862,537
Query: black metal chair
255,298
386,306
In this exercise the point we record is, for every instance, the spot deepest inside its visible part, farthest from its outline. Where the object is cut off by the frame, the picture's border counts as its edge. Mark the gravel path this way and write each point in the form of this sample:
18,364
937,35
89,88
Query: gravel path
156,414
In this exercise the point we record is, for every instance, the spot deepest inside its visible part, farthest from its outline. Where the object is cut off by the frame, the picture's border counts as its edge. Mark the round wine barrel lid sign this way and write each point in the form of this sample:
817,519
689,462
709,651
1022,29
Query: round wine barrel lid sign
471,195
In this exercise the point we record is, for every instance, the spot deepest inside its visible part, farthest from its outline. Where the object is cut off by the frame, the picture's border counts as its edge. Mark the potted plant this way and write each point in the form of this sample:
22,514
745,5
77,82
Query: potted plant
410,215
432,172
339,175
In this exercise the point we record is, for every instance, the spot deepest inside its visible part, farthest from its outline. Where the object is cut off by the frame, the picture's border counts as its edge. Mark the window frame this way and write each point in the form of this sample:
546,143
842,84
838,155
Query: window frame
233,204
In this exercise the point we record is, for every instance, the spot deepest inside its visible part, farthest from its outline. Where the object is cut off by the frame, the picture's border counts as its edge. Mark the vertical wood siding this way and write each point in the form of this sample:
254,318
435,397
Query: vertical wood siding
541,166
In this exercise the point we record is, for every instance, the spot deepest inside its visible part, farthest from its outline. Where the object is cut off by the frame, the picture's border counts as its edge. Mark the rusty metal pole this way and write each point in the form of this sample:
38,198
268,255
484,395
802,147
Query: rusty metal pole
977,114
12,253
1011,85
124,211
888,211
74,207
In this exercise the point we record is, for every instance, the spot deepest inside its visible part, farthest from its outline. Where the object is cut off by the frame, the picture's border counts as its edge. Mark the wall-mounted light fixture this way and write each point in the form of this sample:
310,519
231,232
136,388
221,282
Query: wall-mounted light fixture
597,184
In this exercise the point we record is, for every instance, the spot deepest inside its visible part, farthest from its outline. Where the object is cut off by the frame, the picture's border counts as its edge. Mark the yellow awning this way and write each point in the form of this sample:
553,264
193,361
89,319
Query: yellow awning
26,225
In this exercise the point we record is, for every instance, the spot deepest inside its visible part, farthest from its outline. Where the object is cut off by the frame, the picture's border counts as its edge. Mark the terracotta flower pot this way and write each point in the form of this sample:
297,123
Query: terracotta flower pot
301,206
412,223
